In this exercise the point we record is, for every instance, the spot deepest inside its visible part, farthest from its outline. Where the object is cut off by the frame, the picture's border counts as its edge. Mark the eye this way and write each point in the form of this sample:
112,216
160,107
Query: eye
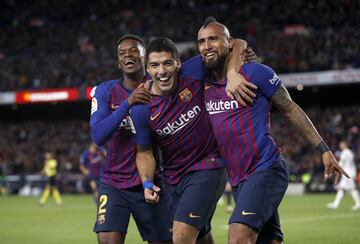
168,63
153,65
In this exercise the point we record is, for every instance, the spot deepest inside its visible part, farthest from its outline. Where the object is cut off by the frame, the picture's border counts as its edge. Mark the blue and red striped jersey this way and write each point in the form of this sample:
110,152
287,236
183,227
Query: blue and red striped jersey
243,133
109,124
93,162
180,125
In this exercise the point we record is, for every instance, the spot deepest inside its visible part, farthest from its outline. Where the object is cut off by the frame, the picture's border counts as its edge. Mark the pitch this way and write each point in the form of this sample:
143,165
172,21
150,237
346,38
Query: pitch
305,219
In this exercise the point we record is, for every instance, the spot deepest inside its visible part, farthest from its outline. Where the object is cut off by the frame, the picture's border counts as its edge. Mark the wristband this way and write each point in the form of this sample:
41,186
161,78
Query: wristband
147,184
322,147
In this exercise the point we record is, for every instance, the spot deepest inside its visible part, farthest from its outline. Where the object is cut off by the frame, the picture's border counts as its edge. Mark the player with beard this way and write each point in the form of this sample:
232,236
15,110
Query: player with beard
256,169
120,191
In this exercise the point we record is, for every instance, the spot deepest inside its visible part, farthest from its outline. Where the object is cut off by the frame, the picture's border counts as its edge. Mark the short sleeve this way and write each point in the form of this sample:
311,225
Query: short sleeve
263,77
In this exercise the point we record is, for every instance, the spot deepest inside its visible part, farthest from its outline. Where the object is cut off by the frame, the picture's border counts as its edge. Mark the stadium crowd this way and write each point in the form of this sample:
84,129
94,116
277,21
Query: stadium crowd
49,44
22,145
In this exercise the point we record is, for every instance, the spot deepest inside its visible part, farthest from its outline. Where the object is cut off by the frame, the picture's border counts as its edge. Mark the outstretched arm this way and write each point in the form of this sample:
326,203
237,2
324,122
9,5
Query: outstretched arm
237,86
299,119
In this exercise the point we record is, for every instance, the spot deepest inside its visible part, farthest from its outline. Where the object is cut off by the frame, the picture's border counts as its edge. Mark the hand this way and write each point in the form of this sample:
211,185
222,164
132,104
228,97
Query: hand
332,167
249,55
237,86
152,195
139,95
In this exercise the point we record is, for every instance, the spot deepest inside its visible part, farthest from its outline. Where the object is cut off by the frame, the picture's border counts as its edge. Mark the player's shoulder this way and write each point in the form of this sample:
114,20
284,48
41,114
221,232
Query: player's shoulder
139,110
192,68
106,85
260,73
253,67
348,152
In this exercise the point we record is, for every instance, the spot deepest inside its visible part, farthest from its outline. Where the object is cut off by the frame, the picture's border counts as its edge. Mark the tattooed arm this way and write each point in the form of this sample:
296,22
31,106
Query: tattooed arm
282,100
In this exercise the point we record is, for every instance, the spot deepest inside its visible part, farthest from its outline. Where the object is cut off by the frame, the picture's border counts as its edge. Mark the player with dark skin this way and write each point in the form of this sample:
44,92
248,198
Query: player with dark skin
131,63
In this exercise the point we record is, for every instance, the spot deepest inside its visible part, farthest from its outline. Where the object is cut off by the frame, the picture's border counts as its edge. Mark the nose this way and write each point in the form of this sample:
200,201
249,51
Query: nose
127,53
161,69
207,45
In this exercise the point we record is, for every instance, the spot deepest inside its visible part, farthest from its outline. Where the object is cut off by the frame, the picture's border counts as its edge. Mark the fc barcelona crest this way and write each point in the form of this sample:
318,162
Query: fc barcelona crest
185,95
101,219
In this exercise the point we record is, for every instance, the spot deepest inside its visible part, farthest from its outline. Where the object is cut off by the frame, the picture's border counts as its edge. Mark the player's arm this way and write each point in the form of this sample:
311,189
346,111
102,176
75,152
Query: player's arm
83,169
145,161
237,86
103,122
146,164
302,123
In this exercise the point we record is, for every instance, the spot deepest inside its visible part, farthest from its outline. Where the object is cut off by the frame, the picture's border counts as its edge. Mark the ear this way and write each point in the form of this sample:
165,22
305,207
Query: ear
178,65
118,63
147,68
231,43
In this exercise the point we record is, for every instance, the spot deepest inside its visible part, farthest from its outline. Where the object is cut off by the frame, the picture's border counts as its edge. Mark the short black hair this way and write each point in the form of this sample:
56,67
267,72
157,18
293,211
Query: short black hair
132,37
209,20
162,44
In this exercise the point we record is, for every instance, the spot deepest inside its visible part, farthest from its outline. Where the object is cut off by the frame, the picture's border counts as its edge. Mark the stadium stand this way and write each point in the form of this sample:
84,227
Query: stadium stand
61,44
45,45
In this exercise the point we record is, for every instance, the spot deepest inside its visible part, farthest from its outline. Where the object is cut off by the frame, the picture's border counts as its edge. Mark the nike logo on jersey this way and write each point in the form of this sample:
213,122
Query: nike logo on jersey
191,215
113,106
247,213
207,87
155,116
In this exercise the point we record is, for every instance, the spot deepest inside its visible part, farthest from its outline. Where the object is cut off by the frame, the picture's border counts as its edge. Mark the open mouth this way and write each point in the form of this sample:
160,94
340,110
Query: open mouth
164,81
129,63
210,55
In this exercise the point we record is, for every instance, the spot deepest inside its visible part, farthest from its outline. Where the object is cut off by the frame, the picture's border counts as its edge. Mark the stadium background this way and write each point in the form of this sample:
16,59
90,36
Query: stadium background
70,46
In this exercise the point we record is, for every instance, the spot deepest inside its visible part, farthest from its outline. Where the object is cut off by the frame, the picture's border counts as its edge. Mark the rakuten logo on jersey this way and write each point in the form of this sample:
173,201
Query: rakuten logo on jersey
184,119
221,106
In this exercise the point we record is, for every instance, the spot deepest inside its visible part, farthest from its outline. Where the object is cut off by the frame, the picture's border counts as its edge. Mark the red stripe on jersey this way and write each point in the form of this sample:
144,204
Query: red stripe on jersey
252,138
233,144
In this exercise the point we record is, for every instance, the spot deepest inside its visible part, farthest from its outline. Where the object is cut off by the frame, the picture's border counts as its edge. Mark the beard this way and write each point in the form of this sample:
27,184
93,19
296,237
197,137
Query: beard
216,64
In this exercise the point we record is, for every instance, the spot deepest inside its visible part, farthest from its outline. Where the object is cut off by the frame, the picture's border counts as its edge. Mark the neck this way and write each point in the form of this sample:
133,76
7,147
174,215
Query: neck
131,81
220,72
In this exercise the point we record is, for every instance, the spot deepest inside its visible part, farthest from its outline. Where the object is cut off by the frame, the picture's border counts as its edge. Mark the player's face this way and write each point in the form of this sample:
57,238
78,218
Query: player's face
92,148
131,56
214,45
342,145
48,156
163,69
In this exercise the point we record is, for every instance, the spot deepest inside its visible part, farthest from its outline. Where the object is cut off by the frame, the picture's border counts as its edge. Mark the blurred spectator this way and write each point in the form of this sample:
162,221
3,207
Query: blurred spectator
22,145
49,44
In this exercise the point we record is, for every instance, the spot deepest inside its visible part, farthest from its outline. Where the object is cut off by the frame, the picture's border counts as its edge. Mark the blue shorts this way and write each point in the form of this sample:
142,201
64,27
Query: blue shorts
258,198
193,200
115,206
